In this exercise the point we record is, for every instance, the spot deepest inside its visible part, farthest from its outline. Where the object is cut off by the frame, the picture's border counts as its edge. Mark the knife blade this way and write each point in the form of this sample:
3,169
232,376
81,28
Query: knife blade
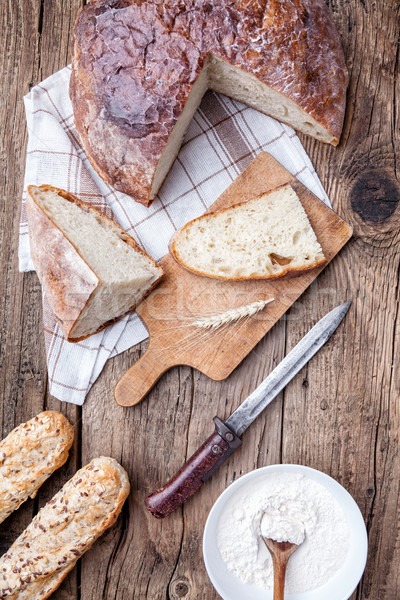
226,437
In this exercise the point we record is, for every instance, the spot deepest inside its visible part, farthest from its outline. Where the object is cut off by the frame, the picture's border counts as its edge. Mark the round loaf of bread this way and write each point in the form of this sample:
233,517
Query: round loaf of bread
141,67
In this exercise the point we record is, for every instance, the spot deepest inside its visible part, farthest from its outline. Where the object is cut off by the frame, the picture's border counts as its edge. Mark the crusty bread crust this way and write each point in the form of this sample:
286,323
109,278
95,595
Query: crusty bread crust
63,530
67,279
152,52
29,455
289,271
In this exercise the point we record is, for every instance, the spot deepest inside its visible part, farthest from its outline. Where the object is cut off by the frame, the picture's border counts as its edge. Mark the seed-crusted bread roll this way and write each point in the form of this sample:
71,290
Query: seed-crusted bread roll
263,238
63,530
29,455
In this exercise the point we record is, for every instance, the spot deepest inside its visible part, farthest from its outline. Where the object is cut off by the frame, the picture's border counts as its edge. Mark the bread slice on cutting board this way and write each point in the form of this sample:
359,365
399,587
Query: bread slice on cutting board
91,270
265,237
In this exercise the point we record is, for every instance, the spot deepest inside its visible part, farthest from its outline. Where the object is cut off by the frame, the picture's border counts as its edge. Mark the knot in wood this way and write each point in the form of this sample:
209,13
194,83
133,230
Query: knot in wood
180,588
375,196
370,491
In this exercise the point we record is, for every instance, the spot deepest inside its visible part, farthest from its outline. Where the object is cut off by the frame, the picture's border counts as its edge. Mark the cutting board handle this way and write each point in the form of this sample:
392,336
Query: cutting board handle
135,384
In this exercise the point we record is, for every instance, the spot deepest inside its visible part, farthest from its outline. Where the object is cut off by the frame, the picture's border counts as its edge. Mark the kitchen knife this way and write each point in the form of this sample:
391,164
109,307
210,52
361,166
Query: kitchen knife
226,438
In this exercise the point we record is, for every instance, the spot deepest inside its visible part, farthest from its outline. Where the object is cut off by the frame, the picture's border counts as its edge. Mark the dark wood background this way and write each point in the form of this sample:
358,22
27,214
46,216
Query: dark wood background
340,415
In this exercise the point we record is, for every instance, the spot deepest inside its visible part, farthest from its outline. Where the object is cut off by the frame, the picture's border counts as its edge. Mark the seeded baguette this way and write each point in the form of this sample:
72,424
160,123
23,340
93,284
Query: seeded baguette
63,530
29,455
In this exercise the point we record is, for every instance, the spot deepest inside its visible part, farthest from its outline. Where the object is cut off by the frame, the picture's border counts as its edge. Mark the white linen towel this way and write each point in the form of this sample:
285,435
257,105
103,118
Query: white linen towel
223,137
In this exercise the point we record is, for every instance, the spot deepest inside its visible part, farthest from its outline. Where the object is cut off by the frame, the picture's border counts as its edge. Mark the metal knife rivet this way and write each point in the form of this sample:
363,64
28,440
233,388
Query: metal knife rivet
229,437
215,449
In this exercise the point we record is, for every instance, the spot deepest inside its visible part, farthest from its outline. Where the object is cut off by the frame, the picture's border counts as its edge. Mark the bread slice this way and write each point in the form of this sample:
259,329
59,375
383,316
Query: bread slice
29,455
263,238
91,270
63,530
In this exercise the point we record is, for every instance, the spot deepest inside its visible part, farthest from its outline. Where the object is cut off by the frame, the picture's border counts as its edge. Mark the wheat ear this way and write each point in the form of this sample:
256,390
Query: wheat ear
230,316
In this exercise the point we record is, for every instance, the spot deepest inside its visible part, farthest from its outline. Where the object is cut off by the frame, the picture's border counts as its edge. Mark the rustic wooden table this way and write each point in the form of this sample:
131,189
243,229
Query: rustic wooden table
340,415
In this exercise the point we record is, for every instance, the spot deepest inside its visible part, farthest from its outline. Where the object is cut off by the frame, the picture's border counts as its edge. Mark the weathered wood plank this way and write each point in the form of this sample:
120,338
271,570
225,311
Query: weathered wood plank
352,415
35,43
22,365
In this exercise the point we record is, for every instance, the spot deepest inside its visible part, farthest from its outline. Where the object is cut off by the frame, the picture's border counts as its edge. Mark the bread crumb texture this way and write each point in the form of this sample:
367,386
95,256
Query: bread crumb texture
91,270
265,237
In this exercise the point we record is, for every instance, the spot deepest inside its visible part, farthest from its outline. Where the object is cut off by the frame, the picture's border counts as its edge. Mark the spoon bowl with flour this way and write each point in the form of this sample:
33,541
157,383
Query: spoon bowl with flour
282,537
305,506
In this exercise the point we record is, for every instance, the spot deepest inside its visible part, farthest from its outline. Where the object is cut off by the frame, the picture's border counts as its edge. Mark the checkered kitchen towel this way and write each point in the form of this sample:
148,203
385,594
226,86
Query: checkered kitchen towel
223,137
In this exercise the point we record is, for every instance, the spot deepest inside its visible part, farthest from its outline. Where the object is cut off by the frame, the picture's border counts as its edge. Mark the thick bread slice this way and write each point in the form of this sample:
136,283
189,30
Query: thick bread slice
63,530
29,455
263,238
91,270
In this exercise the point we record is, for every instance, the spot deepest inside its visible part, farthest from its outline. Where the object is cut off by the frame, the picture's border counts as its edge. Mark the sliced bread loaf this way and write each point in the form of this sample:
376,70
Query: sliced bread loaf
91,270
263,238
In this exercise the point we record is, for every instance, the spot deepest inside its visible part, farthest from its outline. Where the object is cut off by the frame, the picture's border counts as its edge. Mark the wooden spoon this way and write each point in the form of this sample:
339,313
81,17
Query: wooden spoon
280,552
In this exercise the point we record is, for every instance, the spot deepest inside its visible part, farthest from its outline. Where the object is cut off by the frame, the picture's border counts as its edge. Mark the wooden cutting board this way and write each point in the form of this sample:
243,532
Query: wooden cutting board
182,296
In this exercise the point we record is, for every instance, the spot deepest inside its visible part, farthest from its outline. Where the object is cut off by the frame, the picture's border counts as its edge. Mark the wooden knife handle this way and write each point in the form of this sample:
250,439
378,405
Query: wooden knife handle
207,459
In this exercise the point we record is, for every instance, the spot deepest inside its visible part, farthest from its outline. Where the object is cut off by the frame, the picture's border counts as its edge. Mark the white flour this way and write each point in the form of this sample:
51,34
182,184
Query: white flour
287,507
283,524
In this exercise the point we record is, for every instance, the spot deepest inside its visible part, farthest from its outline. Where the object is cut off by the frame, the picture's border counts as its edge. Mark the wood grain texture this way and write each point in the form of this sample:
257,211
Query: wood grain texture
182,296
340,414
35,44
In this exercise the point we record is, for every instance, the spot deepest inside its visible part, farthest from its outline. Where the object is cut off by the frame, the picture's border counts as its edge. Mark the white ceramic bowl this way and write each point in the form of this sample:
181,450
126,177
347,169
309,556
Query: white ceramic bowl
339,587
